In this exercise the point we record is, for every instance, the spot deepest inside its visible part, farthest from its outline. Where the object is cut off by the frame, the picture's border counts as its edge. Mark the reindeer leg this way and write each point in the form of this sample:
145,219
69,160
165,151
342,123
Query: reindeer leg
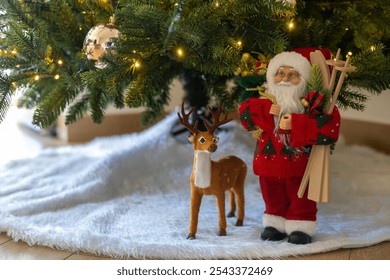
240,197
232,203
196,199
221,213
241,207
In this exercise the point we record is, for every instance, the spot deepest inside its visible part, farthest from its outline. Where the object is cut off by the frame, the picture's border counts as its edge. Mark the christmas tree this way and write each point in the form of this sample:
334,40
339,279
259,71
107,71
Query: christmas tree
45,65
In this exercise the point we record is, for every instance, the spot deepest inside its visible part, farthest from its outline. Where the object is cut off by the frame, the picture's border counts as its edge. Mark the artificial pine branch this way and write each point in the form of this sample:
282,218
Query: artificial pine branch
373,70
5,97
43,32
315,79
50,108
97,104
133,94
77,109
352,99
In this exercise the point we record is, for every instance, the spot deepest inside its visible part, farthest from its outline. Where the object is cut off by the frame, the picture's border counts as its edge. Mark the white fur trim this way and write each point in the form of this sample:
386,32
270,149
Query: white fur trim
308,227
277,222
202,169
293,59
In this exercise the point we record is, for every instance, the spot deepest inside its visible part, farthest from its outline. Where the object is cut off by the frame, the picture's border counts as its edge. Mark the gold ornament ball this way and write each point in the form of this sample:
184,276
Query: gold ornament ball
99,40
246,73
304,103
238,71
247,57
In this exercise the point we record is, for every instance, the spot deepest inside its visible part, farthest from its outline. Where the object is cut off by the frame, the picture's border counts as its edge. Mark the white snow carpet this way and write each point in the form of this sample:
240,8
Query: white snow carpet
128,196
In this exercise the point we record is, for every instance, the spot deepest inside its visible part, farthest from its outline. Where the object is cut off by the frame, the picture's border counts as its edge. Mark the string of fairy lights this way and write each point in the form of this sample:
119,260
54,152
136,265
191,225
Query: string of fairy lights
34,75
136,64
59,62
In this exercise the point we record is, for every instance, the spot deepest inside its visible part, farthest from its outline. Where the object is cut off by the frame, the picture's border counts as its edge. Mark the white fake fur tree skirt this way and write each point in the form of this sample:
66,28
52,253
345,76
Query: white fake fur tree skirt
128,196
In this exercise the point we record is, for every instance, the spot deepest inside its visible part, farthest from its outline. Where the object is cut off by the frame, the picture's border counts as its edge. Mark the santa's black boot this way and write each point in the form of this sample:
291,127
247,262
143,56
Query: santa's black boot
299,237
272,234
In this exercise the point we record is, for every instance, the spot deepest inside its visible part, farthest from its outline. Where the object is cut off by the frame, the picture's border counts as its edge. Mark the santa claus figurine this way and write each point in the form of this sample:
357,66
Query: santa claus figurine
285,135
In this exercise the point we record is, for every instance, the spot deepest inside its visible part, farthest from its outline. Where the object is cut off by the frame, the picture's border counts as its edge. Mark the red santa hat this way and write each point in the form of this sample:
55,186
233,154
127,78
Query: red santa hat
293,59
307,51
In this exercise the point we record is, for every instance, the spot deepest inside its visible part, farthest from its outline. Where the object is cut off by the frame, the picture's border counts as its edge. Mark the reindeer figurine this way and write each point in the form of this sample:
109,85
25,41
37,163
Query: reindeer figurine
213,177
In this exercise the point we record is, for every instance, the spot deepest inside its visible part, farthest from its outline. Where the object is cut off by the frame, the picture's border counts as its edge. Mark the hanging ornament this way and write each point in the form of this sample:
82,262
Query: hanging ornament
250,65
99,40
177,15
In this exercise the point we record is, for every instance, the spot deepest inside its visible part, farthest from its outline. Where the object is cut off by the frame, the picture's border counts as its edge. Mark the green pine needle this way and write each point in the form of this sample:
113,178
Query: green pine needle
315,79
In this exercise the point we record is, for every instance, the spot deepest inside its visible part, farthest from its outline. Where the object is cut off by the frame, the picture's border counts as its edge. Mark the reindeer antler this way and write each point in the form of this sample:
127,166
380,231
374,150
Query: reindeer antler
216,121
184,119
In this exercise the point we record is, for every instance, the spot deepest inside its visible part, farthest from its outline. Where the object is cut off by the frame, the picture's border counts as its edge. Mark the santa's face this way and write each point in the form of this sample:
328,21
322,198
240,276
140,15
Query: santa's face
287,74
288,88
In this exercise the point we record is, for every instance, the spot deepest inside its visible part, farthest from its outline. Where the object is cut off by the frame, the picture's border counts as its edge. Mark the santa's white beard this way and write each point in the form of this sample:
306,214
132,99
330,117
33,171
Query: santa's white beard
288,97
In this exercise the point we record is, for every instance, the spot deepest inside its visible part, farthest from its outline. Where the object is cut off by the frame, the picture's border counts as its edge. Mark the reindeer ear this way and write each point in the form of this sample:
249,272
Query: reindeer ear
191,138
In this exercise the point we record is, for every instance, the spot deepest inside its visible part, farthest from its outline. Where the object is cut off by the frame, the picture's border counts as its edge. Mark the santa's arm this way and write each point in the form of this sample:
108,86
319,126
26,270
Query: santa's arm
255,113
315,129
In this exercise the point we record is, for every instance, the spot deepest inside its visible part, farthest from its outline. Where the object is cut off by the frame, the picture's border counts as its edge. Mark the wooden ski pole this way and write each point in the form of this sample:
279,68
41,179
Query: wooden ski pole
317,172
320,170
327,82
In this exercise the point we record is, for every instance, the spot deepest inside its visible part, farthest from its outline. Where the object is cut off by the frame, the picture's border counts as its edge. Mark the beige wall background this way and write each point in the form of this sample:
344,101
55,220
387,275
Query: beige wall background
377,109
355,124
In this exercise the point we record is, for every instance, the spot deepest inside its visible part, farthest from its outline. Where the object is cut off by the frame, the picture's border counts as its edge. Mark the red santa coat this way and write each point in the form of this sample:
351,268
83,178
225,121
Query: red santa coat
272,157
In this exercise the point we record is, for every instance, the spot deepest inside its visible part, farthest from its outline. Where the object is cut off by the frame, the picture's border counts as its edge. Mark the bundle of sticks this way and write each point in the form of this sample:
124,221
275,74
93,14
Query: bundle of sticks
317,172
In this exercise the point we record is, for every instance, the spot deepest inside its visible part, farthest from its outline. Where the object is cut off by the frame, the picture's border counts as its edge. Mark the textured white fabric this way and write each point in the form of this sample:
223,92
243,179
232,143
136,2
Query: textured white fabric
202,169
274,221
308,227
128,196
